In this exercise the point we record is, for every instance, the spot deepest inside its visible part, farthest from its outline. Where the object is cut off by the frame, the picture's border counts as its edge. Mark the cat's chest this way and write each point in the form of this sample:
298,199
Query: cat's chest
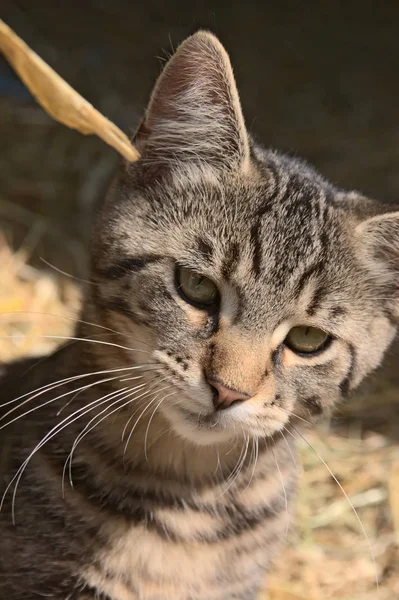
192,552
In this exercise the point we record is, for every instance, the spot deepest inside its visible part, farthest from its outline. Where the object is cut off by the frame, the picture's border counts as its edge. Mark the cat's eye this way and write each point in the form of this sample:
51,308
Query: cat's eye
196,289
306,340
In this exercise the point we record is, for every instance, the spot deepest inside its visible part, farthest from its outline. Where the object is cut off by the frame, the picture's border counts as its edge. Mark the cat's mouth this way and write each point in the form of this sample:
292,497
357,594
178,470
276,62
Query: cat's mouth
201,420
203,427
211,426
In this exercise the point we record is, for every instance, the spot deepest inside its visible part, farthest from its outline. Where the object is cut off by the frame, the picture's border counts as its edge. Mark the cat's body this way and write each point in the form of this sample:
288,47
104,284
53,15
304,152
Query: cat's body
234,294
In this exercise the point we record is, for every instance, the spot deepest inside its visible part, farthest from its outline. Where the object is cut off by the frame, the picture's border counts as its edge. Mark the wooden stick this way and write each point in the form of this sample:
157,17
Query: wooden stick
58,98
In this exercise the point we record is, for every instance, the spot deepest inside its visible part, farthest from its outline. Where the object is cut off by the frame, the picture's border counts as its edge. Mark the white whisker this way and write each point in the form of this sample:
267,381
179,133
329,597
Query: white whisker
52,385
85,387
256,453
154,384
76,339
284,490
49,435
150,420
237,469
74,320
126,392
346,496
290,451
141,414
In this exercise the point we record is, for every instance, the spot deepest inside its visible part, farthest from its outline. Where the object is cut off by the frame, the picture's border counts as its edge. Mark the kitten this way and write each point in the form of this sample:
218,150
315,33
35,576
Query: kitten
234,294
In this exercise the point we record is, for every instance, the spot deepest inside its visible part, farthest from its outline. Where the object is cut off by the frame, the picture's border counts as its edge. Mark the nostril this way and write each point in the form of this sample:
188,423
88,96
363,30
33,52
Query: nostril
223,396
218,403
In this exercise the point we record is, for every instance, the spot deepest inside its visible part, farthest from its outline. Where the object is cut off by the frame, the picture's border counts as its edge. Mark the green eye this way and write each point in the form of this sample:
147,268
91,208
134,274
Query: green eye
306,340
195,288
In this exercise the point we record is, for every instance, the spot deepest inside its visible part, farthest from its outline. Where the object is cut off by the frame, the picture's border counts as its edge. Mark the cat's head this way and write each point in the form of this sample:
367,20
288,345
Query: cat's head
261,289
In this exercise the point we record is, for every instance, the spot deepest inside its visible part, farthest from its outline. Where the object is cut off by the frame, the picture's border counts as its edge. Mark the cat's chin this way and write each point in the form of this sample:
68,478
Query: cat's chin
213,429
199,431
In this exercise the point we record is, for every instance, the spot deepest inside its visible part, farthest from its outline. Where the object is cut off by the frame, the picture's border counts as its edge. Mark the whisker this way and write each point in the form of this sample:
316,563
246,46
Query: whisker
57,397
49,264
154,384
125,392
154,441
236,471
76,339
141,414
127,395
87,386
74,320
256,454
60,382
102,400
149,422
49,435
290,451
242,462
239,459
292,414
80,391
346,496
284,490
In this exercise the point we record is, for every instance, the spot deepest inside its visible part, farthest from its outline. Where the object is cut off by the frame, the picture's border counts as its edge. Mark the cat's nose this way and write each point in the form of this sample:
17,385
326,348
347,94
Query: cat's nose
224,396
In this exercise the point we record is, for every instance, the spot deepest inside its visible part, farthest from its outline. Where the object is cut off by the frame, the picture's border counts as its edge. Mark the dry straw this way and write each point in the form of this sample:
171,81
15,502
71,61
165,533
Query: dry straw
58,98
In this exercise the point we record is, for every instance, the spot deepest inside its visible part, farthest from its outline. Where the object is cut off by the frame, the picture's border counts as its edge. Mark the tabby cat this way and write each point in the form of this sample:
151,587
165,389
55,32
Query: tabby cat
234,294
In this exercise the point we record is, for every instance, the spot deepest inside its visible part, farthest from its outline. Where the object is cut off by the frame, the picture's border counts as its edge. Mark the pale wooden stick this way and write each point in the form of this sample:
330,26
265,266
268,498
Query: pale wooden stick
58,98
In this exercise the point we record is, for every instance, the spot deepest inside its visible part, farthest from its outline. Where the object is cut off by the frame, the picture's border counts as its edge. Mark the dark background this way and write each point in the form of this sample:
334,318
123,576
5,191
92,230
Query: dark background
317,79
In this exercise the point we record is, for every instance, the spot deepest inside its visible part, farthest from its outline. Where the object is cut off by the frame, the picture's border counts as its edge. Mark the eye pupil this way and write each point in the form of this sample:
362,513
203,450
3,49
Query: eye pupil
198,290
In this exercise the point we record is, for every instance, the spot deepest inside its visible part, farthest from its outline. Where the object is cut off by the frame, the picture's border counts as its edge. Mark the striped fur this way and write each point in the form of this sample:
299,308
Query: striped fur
141,489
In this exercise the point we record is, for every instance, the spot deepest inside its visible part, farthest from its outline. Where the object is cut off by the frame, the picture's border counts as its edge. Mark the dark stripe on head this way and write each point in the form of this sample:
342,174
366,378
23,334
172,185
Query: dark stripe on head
204,248
241,304
312,271
324,242
337,311
256,249
231,260
129,265
255,236
345,384
316,301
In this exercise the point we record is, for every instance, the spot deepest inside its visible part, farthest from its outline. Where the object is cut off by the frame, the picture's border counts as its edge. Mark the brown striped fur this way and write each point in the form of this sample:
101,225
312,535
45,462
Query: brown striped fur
165,496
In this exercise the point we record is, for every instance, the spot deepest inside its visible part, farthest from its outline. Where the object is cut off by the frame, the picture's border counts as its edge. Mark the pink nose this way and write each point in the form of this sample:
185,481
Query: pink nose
225,396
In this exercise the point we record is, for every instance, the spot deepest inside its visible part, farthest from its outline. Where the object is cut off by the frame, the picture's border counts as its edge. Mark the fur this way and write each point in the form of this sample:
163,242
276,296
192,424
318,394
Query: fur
164,496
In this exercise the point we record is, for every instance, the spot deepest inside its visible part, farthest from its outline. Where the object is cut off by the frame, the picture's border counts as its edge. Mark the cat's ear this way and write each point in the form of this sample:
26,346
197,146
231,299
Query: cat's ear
194,115
379,247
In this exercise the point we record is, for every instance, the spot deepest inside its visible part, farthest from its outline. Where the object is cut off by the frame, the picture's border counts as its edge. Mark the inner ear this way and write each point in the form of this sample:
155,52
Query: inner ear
379,249
194,114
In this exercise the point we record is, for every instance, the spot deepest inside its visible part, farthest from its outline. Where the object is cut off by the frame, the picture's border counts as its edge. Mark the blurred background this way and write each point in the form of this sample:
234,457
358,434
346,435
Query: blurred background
317,80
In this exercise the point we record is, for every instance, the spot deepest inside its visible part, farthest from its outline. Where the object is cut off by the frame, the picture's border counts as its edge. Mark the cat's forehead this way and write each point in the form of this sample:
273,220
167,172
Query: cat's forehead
280,214
267,232
274,233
